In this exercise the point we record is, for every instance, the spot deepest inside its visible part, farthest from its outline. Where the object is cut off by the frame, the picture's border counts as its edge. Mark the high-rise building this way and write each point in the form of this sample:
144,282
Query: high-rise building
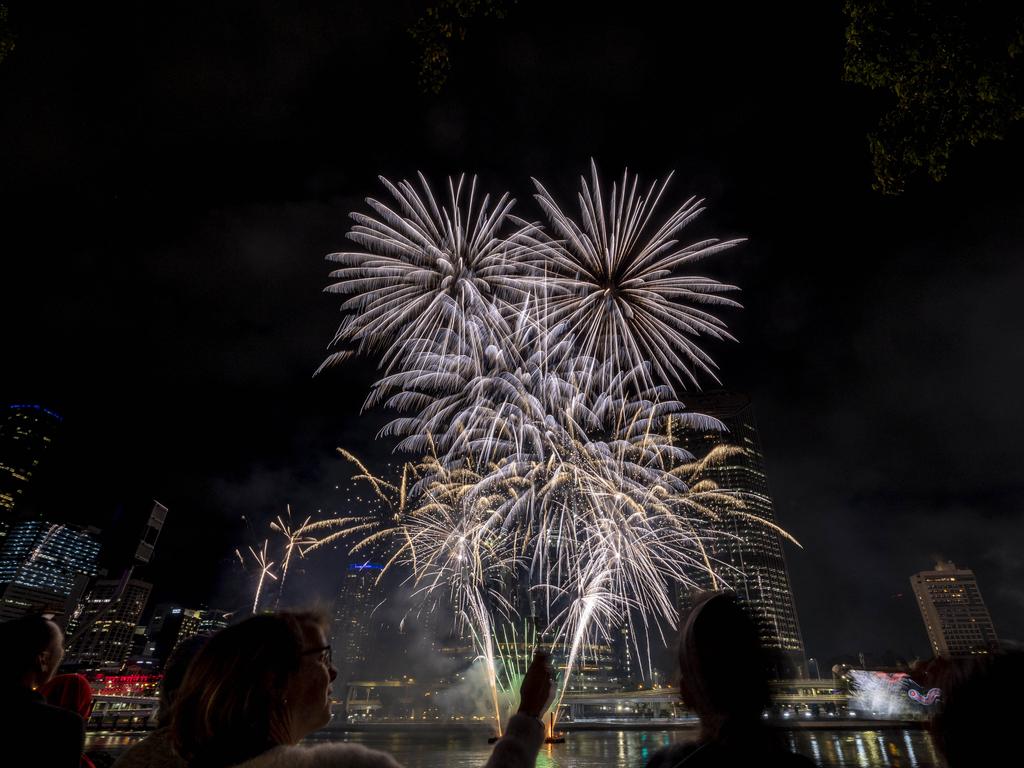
212,620
102,632
955,616
352,630
169,625
750,556
26,432
597,668
40,563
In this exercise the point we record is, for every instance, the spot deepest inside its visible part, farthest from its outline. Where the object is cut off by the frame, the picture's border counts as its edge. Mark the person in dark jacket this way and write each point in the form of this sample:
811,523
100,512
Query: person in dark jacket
976,723
155,751
31,649
723,678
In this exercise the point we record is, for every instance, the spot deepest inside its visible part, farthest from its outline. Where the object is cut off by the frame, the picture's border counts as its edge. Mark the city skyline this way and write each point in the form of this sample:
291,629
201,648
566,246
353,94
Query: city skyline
30,537
874,339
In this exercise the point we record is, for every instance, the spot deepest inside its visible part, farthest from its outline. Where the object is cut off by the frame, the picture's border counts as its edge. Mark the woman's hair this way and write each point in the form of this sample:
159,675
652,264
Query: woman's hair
723,670
231,704
174,674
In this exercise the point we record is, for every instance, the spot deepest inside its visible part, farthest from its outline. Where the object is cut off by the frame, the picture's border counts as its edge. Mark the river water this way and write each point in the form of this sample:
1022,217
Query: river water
438,748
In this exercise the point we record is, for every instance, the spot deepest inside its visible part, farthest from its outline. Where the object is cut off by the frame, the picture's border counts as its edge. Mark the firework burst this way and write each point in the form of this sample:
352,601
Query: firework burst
617,279
533,375
428,268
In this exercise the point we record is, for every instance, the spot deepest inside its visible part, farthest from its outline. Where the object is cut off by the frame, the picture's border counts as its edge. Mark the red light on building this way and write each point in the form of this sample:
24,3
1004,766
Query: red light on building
126,685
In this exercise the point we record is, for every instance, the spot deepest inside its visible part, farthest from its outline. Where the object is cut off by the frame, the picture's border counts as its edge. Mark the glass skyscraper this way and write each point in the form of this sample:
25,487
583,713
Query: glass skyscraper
351,630
752,562
48,555
102,633
40,563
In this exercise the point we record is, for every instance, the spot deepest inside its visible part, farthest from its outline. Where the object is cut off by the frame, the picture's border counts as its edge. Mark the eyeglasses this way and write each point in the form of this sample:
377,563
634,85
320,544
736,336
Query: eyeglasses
324,651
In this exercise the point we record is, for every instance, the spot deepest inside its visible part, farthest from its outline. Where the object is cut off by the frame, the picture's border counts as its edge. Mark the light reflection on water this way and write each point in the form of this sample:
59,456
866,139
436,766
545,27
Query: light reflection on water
910,748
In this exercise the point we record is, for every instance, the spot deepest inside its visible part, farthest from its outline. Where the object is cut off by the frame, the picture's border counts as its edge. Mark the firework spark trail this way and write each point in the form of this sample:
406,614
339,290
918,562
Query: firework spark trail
265,569
296,539
450,543
603,518
515,651
479,617
613,515
610,510
463,551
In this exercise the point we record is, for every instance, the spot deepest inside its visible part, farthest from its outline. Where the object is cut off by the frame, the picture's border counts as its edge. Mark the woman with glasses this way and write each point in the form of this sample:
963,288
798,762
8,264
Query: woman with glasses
256,689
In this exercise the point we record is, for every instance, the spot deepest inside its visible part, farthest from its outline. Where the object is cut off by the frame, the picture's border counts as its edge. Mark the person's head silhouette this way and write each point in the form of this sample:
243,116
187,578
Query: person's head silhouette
722,666
33,647
263,682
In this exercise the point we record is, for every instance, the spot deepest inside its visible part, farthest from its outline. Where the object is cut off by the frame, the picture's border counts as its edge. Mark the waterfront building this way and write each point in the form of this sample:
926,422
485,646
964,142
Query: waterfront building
101,637
352,628
26,433
134,685
749,556
596,668
954,613
41,563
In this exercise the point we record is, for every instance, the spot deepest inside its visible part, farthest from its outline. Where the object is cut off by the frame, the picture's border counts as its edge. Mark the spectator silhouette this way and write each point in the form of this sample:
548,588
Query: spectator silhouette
73,693
256,689
31,649
977,720
723,677
155,751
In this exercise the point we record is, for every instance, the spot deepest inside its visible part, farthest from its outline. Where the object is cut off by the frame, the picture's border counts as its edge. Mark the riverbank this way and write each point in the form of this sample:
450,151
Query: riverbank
850,744
784,725
413,726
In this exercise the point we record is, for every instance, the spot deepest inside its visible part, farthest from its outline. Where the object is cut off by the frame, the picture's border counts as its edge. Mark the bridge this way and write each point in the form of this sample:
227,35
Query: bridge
122,713
790,698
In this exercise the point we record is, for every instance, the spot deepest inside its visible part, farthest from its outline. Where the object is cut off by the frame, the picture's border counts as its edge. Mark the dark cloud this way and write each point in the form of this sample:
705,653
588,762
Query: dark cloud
174,178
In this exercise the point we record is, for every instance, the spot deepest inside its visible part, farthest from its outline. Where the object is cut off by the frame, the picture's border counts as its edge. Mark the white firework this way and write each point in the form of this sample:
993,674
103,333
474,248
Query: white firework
265,567
534,380
486,406
295,540
621,285
428,269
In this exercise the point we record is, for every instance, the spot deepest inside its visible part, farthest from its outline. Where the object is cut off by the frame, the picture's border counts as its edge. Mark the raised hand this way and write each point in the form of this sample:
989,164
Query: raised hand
538,688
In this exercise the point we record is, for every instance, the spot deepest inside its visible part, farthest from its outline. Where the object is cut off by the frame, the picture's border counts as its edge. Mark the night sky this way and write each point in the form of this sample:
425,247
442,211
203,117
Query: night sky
173,176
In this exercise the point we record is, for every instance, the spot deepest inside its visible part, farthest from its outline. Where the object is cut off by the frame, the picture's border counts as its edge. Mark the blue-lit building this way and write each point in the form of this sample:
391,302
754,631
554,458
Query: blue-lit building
352,630
48,555
41,563
26,434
